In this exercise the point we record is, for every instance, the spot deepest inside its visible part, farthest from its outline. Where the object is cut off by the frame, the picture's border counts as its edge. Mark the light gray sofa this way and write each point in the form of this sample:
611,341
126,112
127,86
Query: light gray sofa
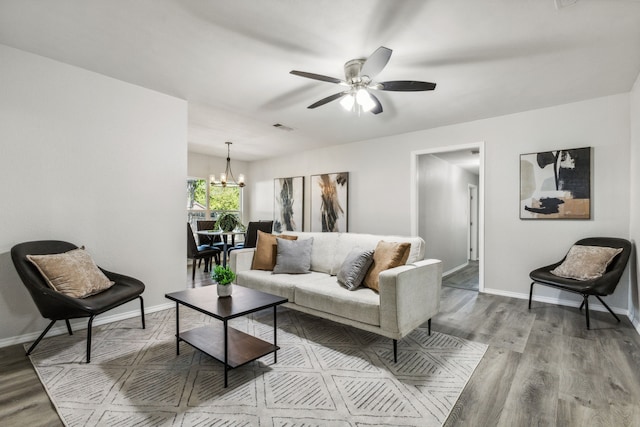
409,295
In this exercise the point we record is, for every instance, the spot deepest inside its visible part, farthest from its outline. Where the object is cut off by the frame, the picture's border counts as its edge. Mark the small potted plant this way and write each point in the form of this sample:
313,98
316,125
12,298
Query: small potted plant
224,277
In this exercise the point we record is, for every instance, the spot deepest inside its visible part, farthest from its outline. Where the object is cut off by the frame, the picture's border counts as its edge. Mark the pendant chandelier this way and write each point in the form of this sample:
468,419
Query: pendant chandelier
227,177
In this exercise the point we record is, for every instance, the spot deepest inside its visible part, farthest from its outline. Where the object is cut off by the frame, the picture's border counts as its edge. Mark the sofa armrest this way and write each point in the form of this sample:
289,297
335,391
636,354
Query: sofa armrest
241,259
409,295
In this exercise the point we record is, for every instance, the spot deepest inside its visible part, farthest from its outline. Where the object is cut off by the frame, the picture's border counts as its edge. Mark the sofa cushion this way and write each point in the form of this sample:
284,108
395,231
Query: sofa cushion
386,255
323,250
265,255
586,262
354,268
362,305
294,256
277,284
368,242
72,273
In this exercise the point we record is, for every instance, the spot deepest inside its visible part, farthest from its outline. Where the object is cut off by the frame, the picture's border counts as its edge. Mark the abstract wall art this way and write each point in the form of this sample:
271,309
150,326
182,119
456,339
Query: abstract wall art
556,184
288,207
329,198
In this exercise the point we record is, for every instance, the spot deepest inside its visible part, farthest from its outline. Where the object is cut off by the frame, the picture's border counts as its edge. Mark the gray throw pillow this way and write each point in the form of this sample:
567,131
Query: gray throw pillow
294,256
354,268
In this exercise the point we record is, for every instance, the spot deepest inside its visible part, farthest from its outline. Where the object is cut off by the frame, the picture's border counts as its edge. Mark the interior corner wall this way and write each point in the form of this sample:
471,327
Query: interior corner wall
634,193
91,160
512,247
443,207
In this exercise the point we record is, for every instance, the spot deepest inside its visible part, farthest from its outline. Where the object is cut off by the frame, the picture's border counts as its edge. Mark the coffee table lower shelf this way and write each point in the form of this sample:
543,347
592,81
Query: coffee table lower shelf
242,348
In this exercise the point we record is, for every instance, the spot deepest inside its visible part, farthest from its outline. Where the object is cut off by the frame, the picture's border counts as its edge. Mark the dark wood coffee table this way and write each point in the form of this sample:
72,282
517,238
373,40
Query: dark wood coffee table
231,347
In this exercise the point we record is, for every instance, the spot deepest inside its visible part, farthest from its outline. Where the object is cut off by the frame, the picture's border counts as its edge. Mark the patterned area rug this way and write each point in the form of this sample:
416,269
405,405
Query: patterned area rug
327,375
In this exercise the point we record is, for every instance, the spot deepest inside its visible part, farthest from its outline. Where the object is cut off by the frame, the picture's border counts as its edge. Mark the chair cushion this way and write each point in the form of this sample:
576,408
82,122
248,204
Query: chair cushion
294,256
586,262
354,268
325,295
266,251
72,273
386,255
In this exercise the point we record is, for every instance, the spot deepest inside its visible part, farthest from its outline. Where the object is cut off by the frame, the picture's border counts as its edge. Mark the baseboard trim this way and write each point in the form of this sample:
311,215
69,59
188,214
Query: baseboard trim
80,324
557,301
455,269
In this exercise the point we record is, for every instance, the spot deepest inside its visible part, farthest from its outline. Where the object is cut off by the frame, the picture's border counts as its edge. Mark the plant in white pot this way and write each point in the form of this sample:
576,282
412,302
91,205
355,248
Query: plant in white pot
224,277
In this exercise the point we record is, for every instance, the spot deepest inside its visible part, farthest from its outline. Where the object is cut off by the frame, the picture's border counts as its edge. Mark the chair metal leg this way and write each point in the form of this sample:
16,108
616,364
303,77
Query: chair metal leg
68,326
581,305
89,338
608,308
586,311
193,272
429,324
395,351
530,294
142,310
33,346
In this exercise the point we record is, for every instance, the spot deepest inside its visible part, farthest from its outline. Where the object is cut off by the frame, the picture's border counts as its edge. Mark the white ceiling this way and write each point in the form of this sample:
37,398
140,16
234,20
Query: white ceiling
231,59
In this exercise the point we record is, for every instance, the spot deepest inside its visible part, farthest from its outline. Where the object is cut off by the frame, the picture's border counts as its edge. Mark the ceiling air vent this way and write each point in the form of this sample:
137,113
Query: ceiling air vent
282,127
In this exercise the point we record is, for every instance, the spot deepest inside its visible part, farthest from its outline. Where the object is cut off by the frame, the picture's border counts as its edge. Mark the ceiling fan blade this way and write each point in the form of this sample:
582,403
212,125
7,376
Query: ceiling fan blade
378,108
316,76
405,86
328,99
376,62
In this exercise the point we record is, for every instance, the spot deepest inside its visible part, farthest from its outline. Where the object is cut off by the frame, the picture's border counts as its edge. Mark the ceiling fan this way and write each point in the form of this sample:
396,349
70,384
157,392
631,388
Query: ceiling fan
359,75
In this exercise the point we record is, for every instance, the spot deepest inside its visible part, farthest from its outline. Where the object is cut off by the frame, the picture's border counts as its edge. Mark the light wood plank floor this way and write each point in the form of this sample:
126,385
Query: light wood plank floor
542,367
465,278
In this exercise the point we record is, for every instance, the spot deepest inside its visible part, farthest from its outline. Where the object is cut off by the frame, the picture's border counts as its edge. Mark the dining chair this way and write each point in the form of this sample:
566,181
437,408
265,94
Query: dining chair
251,236
213,241
197,252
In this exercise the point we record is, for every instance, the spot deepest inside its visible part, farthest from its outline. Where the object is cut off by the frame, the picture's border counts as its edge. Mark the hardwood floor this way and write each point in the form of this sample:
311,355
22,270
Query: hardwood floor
465,278
543,367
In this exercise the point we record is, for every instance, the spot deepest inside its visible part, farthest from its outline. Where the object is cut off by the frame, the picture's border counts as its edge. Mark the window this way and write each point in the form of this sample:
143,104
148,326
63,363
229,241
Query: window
205,201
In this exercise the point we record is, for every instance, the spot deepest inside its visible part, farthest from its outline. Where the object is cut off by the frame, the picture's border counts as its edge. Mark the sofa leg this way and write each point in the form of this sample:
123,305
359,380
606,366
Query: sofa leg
429,325
395,351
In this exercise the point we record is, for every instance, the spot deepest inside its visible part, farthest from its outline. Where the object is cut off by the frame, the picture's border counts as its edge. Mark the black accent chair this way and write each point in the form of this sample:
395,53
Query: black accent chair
195,252
251,236
602,286
56,306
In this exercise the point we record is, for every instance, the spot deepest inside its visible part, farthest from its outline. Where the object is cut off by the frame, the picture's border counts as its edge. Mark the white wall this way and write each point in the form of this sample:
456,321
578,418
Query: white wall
94,161
443,206
512,247
634,223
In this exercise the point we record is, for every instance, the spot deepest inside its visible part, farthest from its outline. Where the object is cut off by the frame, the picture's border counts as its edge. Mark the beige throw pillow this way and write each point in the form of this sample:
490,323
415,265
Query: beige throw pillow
586,262
72,273
266,250
386,255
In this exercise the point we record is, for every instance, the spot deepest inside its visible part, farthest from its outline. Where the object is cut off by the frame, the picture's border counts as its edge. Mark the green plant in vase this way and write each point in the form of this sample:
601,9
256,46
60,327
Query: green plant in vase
224,278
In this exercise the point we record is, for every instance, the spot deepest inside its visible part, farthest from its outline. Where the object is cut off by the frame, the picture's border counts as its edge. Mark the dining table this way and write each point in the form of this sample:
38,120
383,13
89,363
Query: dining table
224,237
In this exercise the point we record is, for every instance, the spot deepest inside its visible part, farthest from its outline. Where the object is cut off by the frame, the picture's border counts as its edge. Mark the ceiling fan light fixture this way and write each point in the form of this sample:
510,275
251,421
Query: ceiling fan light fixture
347,102
363,98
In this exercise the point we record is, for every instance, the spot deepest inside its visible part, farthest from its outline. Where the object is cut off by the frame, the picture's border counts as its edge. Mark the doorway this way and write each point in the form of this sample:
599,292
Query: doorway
447,210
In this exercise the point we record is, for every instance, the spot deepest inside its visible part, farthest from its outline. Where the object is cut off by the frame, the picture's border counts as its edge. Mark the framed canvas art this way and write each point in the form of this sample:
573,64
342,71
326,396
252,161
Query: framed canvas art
329,202
288,204
556,184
